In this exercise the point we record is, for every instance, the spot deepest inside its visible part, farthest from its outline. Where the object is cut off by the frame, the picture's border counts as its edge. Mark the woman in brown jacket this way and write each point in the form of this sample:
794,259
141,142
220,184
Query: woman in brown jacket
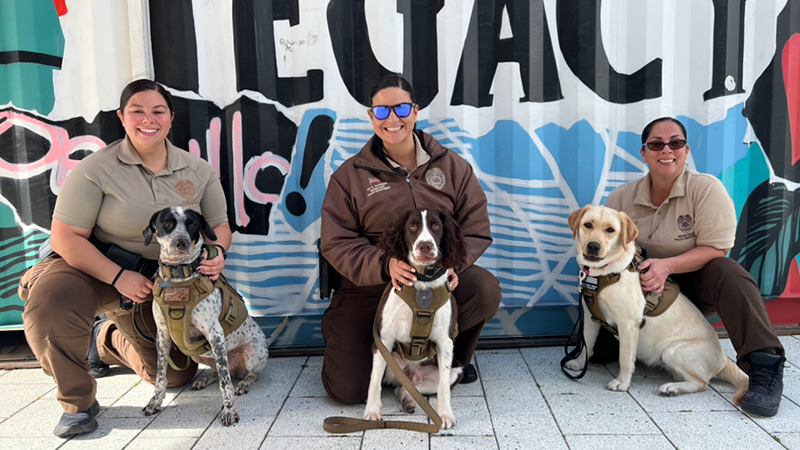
398,170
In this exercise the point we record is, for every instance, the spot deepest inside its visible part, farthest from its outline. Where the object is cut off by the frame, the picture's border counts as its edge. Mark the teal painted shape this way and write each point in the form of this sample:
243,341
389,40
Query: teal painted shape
29,26
19,252
749,172
7,218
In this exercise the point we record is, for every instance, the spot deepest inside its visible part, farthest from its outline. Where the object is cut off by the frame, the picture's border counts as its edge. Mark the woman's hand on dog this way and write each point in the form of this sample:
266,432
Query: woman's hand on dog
134,286
401,273
654,275
453,277
211,267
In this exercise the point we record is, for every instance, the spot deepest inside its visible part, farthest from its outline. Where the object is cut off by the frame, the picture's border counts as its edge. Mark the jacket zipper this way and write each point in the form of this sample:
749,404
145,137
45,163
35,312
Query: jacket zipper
407,176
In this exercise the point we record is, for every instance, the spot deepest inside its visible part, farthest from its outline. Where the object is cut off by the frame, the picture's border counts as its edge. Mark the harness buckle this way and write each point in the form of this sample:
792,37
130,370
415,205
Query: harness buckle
417,346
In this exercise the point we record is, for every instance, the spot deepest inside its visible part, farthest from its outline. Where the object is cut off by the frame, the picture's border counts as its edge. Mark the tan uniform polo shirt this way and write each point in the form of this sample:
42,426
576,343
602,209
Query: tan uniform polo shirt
697,212
114,193
422,155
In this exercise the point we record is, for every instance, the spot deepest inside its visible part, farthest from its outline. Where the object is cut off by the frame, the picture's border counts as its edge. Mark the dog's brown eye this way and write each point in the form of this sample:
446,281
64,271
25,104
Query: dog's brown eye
167,226
609,230
412,227
436,226
587,225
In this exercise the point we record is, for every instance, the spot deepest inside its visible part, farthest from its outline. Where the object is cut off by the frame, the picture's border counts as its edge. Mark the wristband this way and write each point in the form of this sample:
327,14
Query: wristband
117,277
222,251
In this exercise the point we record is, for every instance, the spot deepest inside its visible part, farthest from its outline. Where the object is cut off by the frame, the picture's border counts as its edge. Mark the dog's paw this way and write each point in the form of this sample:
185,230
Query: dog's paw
409,405
574,364
372,415
669,389
202,382
242,388
153,407
618,385
448,421
229,417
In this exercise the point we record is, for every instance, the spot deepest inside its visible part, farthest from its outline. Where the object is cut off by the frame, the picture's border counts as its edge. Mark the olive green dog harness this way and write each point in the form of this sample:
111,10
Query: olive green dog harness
655,304
177,300
423,303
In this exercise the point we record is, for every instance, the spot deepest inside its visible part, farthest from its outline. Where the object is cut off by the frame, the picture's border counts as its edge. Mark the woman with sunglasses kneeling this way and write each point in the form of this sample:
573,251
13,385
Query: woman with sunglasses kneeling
687,224
398,170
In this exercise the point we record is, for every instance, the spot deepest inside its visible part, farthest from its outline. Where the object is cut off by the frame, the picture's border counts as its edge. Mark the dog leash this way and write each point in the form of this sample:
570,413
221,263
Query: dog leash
581,345
339,424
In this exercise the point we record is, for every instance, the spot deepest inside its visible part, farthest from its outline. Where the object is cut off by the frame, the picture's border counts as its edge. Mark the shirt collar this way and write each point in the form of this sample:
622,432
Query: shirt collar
176,159
422,156
678,189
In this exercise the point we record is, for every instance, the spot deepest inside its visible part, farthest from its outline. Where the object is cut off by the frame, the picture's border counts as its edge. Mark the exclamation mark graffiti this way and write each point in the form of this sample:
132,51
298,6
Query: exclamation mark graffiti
317,141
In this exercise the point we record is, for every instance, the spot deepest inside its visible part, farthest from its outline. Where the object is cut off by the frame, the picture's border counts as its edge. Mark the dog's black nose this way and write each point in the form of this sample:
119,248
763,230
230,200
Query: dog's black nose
425,246
593,248
182,244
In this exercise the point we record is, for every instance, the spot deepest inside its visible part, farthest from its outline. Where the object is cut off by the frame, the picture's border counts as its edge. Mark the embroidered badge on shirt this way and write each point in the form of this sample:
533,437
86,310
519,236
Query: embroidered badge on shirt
187,190
685,223
435,177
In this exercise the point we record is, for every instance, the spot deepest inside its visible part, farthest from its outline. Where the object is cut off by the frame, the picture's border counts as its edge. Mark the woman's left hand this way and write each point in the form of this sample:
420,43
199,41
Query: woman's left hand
211,267
453,277
656,275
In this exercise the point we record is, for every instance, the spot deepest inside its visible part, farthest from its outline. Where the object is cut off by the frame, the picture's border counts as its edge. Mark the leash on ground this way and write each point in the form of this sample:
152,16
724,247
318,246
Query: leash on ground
348,424
580,346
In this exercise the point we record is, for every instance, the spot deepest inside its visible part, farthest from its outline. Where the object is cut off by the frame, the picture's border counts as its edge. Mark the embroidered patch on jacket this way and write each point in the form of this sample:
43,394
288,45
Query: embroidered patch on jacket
376,185
435,177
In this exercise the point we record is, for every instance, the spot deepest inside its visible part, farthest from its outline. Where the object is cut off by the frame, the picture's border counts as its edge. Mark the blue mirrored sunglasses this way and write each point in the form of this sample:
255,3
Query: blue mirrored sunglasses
401,110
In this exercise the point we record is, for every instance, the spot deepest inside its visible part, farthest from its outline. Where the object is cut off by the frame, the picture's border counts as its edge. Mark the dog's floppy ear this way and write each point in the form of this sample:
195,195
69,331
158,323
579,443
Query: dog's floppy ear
629,231
575,219
393,240
454,248
207,230
151,229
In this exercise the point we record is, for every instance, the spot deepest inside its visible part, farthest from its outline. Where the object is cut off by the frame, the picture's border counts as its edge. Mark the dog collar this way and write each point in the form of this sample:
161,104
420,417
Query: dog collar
186,270
429,273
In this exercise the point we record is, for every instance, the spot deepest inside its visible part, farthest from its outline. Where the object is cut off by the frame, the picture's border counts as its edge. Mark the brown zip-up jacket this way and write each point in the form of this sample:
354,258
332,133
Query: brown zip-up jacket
365,196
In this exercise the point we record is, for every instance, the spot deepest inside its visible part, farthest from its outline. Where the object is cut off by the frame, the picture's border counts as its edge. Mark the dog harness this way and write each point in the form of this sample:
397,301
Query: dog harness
177,300
655,304
423,303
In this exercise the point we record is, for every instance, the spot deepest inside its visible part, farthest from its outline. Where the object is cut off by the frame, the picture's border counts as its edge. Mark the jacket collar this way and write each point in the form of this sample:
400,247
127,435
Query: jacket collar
368,156
176,158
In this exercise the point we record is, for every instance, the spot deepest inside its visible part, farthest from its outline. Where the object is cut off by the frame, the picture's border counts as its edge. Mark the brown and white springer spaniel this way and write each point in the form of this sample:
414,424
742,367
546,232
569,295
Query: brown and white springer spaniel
430,241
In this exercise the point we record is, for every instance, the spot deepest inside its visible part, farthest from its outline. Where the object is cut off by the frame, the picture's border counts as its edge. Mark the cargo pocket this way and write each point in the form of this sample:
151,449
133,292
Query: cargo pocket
32,274
328,317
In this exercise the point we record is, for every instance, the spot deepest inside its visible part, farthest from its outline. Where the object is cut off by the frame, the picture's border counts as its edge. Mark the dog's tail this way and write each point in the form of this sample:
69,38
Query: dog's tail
734,375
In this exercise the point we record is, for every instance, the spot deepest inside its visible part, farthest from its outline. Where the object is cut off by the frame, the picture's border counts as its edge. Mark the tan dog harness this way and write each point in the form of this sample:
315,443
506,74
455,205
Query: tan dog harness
177,300
655,304
423,304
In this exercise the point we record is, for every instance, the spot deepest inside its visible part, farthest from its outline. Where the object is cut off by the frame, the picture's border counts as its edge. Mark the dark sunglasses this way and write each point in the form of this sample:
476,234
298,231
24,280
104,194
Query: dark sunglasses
657,146
401,110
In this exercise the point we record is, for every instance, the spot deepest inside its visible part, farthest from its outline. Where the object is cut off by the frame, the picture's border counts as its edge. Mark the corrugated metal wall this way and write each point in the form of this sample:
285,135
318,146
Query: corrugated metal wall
546,99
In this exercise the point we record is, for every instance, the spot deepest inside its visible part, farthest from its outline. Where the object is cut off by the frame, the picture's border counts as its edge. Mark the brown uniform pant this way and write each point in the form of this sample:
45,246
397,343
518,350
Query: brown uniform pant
61,303
723,287
347,329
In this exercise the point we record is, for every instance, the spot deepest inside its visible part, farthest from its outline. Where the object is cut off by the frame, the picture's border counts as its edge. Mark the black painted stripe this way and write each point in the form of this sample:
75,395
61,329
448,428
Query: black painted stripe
22,56
11,308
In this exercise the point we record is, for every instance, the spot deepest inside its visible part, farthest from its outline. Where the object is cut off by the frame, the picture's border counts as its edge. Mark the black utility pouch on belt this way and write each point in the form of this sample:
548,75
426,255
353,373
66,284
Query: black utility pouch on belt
329,278
123,258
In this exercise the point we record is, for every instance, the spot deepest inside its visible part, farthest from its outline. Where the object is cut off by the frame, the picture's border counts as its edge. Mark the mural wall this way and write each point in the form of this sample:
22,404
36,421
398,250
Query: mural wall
546,99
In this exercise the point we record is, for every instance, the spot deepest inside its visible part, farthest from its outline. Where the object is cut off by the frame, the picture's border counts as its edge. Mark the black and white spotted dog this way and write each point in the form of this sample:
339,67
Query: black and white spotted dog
425,238
243,353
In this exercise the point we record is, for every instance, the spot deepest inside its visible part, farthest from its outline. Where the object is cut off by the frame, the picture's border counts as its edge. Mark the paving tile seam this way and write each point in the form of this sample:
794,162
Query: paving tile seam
546,402
304,366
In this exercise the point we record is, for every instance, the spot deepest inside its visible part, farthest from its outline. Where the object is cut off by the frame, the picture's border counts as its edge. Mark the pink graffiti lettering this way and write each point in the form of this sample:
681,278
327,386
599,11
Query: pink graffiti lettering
57,158
791,78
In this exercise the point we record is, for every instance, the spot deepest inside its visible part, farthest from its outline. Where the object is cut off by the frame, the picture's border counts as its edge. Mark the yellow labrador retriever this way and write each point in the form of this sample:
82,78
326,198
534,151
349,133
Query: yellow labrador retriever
680,339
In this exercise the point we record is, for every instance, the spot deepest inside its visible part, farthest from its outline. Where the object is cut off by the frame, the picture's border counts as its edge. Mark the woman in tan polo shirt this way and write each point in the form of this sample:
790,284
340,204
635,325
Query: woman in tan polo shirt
108,199
687,224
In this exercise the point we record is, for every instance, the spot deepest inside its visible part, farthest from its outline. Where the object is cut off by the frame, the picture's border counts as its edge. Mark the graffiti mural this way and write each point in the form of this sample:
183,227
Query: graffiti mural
545,98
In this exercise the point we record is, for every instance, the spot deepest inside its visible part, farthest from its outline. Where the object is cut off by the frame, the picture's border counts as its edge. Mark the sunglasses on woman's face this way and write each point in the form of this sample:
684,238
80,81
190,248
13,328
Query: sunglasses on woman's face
401,110
657,146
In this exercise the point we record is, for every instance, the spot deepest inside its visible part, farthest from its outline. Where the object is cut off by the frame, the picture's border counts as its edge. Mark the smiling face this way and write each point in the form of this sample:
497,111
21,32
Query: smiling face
394,131
147,120
666,163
